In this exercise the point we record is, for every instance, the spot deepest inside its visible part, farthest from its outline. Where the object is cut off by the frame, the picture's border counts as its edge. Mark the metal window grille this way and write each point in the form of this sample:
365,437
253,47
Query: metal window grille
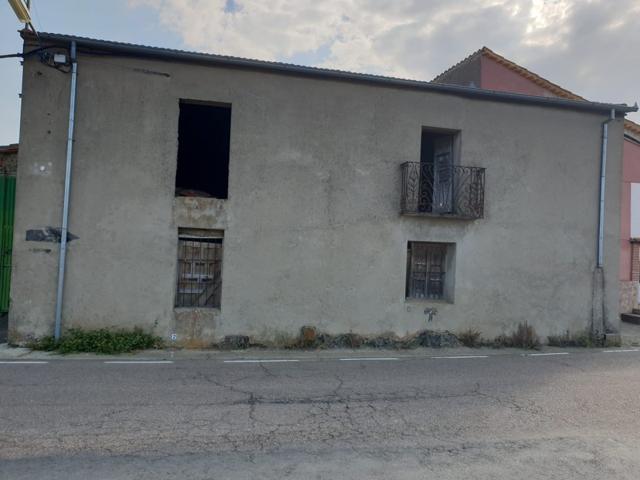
426,270
199,272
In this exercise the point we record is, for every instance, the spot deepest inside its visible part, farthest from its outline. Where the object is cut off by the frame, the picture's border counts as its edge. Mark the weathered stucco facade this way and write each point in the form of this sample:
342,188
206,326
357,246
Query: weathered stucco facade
312,228
488,70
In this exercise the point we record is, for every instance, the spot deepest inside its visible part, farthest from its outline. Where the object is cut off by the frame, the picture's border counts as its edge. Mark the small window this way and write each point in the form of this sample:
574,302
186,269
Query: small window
203,150
199,282
430,270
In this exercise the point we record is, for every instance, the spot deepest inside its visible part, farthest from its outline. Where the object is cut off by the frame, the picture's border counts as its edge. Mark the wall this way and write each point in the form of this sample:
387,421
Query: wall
312,229
467,73
495,76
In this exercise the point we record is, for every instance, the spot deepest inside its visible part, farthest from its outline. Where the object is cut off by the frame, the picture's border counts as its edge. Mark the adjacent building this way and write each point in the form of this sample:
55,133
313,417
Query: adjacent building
8,166
215,195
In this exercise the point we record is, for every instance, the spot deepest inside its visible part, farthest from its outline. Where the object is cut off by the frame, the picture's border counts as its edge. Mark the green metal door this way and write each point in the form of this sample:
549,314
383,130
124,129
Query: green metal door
7,206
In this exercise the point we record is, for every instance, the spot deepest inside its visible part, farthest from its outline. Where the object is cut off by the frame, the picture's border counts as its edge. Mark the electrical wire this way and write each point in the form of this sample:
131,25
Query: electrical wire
31,52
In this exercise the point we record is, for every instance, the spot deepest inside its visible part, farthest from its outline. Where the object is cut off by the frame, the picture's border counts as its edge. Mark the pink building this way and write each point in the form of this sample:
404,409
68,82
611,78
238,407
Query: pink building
488,70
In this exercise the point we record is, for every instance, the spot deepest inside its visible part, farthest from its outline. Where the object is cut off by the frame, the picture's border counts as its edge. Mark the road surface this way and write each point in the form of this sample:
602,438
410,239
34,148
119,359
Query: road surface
416,417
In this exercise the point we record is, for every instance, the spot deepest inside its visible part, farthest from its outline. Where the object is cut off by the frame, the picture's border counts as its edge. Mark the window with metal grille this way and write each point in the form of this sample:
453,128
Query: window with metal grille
199,282
427,265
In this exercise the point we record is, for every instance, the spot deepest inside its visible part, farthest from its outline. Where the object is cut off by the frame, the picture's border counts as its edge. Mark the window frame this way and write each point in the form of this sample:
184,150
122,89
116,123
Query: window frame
444,267
209,276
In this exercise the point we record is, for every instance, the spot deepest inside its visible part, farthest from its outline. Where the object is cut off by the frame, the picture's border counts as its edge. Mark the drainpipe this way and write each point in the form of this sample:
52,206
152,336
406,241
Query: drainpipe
67,190
603,168
598,300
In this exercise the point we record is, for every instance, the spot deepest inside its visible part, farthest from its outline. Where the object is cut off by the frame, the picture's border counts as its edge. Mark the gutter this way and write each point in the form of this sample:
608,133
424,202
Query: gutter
67,191
166,54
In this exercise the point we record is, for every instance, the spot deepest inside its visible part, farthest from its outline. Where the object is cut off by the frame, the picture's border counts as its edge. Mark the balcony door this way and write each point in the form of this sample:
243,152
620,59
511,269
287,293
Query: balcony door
443,174
436,172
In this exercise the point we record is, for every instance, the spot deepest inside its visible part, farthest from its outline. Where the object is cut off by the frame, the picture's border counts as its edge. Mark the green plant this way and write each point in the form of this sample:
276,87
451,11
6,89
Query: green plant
107,341
47,344
470,338
524,336
567,339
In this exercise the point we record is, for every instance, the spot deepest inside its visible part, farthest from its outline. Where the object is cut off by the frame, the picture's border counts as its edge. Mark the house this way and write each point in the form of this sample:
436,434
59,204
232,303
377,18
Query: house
488,70
214,195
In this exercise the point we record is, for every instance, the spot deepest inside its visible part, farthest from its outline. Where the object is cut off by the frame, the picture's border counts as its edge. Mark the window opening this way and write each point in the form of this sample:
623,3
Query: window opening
203,150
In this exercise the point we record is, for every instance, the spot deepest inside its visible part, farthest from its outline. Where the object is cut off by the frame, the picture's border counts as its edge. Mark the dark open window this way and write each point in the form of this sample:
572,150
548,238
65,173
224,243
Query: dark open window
203,150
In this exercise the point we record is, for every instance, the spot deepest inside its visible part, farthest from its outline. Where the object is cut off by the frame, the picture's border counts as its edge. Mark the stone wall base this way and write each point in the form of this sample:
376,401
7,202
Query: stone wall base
628,296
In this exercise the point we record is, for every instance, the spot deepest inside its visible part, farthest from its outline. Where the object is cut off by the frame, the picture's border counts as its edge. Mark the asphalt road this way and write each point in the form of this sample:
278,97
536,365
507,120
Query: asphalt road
507,416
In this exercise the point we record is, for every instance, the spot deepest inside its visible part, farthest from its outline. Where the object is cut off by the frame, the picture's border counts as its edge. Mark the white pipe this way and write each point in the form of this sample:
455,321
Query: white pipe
67,191
603,174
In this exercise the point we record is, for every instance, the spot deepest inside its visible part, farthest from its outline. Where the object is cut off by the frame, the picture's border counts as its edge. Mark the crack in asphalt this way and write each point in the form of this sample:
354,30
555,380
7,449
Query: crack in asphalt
379,413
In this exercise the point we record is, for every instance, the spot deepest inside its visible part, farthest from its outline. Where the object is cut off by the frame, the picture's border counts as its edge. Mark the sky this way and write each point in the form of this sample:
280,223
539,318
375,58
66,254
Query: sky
587,46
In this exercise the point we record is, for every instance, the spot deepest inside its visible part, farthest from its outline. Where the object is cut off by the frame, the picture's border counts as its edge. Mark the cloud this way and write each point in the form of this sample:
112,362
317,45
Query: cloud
582,45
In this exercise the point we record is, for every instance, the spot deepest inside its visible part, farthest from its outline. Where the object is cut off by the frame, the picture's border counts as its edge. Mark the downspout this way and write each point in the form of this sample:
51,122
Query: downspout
603,174
67,191
598,301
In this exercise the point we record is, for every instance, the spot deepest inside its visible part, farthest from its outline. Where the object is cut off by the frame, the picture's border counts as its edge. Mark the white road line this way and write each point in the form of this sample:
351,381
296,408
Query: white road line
367,359
22,362
549,354
138,362
622,351
464,356
263,361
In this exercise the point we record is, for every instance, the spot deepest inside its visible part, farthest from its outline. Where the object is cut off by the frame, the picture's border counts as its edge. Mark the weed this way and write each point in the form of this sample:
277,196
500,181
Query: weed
567,339
470,338
106,341
524,336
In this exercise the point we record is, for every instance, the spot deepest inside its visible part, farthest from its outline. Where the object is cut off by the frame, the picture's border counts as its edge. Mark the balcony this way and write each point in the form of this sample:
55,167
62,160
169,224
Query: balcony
442,190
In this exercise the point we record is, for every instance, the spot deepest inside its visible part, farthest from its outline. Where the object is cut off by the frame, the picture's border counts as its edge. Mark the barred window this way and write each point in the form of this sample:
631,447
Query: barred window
199,281
427,265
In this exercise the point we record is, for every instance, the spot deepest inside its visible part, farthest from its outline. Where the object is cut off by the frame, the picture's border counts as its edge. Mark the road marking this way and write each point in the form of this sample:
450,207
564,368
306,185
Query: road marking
622,351
283,360
23,362
367,359
544,354
464,356
135,362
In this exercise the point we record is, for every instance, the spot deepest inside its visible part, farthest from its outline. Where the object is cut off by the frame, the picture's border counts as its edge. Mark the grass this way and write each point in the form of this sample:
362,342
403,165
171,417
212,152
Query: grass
470,338
76,340
524,336
583,339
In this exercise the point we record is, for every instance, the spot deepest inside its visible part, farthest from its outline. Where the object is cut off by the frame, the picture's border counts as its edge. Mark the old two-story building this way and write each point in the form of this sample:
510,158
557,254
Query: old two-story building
214,195
488,70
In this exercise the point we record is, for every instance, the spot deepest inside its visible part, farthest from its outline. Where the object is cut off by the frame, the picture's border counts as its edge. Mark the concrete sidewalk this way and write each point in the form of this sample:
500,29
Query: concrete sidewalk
8,353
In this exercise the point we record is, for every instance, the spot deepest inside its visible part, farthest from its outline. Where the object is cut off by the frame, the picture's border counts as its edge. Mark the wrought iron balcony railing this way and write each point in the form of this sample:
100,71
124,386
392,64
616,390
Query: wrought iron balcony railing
432,189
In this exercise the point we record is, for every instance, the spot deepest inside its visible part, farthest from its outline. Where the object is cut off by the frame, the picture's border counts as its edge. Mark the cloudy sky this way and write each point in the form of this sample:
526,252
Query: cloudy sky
589,47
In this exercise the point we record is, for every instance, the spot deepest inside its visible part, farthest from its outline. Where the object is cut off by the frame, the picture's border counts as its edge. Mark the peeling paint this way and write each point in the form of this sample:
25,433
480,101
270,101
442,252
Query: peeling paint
48,234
